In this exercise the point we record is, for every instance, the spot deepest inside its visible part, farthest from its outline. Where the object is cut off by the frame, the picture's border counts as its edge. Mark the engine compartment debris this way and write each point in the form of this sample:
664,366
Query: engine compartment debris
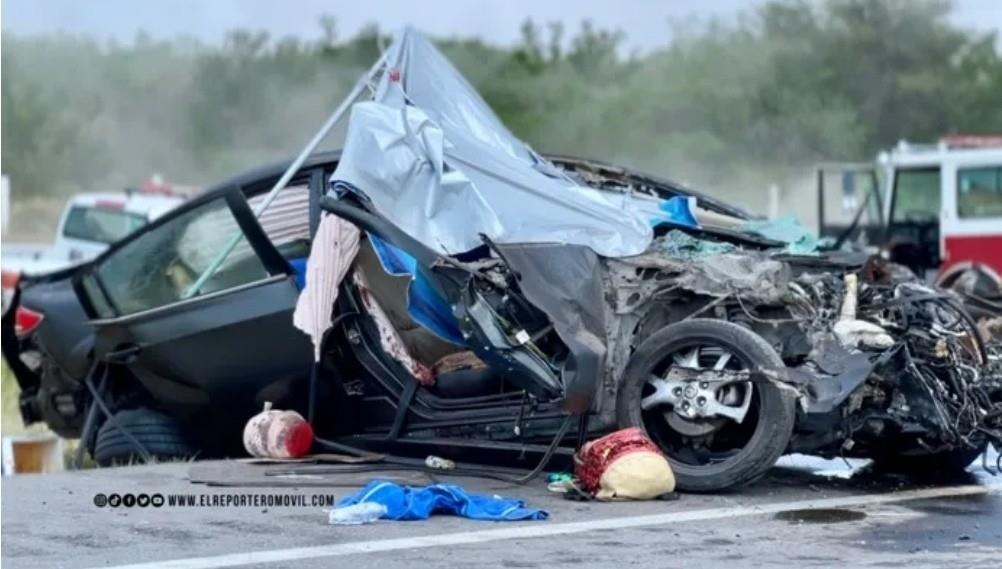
882,364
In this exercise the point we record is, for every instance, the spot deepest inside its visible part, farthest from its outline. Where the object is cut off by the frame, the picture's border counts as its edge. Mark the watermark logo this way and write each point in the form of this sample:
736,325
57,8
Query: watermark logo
214,500
128,500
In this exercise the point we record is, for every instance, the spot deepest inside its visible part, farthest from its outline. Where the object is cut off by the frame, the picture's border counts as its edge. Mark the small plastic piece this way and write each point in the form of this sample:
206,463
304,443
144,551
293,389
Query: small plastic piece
356,514
439,463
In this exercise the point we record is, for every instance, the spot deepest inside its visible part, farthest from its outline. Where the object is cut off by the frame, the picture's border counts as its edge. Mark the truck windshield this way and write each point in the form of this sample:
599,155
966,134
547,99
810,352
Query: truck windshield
104,225
916,196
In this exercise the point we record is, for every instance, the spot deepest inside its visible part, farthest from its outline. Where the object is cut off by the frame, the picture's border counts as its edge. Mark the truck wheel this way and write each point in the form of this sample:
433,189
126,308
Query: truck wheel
929,465
159,434
717,436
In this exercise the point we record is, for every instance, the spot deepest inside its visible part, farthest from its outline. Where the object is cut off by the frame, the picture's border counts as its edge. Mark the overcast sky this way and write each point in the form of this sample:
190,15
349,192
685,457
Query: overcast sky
644,21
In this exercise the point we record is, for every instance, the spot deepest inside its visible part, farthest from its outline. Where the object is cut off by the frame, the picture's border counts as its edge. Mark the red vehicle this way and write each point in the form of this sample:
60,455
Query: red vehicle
935,208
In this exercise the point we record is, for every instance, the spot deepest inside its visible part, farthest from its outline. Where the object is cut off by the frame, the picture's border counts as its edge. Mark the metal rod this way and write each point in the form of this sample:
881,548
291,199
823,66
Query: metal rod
88,426
109,416
335,117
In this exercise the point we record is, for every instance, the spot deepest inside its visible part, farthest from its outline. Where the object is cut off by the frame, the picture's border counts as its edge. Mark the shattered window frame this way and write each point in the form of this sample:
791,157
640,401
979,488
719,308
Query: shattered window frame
108,294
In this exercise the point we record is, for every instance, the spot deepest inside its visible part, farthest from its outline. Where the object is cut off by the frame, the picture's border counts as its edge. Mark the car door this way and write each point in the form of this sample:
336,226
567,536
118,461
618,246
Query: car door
199,306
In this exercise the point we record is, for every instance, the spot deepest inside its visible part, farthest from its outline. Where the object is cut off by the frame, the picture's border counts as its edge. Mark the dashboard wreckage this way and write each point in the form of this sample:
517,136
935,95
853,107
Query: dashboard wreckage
463,292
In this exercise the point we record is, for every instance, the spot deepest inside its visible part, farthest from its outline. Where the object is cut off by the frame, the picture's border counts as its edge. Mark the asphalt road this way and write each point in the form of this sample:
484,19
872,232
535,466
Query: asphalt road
806,513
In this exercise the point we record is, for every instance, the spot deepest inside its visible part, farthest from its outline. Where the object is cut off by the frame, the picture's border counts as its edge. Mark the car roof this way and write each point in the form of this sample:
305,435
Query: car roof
272,170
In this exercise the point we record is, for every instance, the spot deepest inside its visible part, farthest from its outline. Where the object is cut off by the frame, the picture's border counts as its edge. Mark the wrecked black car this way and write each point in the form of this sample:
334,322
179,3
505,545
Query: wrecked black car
464,293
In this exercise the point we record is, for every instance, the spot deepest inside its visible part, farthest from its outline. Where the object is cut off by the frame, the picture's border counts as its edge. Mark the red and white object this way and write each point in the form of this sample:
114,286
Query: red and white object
624,465
277,434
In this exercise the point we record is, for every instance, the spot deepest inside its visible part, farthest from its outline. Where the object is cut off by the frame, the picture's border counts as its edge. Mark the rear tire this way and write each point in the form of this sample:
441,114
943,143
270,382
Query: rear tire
159,434
775,416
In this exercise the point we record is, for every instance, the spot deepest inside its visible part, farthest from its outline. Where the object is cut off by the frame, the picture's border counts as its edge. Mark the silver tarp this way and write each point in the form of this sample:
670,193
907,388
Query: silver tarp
437,162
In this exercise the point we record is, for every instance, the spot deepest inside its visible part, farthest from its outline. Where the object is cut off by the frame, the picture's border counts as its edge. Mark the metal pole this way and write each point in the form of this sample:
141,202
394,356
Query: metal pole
362,83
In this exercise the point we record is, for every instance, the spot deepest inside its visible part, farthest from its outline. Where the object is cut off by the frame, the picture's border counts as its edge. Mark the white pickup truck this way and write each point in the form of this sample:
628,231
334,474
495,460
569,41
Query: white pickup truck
89,224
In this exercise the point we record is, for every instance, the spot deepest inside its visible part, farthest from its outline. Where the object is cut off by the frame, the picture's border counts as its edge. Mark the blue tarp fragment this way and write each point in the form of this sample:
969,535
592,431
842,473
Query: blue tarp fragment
677,211
416,503
424,305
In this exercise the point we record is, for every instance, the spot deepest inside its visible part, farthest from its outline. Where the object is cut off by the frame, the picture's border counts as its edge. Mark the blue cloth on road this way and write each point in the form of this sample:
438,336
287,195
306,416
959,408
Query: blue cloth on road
416,503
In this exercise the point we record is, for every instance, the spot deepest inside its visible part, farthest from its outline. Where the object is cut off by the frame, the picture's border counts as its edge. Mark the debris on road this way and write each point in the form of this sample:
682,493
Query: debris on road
420,503
624,465
273,433
356,514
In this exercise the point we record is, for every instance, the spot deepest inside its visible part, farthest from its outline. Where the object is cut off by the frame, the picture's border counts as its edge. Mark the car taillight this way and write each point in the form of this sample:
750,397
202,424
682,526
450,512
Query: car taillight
26,320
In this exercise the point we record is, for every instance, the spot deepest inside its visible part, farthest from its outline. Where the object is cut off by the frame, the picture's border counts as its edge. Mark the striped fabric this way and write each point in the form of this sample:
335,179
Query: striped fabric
334,248
288,217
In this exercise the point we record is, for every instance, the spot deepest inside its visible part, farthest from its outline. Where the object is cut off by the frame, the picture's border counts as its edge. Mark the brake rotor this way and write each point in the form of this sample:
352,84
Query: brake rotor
692,428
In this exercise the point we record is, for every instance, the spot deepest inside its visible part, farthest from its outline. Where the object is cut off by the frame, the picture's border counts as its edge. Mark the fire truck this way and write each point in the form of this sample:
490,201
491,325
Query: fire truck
935,208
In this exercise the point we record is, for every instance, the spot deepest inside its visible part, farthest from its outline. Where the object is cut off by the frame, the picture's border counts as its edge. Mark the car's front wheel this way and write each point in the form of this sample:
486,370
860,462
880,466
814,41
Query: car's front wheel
690,387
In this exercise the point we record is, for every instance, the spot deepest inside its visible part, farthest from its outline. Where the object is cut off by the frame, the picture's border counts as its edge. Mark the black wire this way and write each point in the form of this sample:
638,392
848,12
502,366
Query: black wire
107,412
418,464
88,426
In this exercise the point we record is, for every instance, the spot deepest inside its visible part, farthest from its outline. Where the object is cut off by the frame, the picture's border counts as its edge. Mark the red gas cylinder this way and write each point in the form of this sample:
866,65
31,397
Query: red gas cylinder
277,434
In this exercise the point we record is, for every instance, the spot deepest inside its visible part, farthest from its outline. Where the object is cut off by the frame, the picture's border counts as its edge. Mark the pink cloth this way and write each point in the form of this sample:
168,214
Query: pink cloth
334,248
331,255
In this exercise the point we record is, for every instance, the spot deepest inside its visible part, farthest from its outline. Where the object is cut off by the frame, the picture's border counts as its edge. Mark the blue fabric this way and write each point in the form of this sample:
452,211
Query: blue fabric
424,305
412,503
676,211
299,269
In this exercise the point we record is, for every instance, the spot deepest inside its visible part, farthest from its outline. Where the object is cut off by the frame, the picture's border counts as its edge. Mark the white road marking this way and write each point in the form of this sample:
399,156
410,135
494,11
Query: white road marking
530,530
